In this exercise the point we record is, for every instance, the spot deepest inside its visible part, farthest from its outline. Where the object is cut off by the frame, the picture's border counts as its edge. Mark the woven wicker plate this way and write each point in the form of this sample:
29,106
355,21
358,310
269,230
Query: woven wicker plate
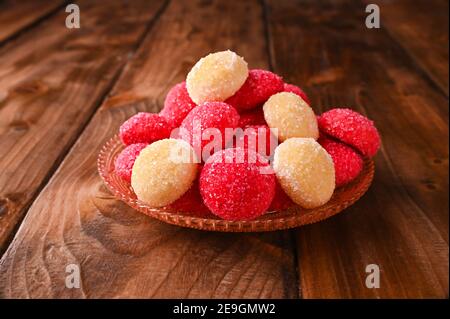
292,217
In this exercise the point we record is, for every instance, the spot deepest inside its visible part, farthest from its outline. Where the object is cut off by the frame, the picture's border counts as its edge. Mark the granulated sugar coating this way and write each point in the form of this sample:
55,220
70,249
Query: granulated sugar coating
305,171
234,189
288,113
281,200
209,115
259,86
163,172
177,105
351,128
347,162
144,128
253,117
258,138
296,90
125,161
216,77
191,203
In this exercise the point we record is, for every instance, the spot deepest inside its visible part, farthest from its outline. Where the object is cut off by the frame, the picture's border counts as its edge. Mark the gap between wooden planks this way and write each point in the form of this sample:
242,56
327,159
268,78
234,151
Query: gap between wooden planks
401,224
121,252
15,16
52,79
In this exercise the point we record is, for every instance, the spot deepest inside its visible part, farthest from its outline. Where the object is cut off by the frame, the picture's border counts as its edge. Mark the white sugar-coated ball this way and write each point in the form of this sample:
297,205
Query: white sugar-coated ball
163,172
305,171
291,115
216,77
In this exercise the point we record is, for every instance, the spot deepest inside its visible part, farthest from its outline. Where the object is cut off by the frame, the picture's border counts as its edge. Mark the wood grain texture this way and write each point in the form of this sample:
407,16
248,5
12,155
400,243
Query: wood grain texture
421,27
52,79
121,252
401,224
16,15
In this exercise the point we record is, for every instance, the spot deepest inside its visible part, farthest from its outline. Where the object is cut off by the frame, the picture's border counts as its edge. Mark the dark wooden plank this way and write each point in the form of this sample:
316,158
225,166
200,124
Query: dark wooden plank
52,79
16,15
421,27
121,252
401,224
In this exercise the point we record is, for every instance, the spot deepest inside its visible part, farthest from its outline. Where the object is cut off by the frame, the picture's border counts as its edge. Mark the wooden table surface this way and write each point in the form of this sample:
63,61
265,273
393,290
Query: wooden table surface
64,92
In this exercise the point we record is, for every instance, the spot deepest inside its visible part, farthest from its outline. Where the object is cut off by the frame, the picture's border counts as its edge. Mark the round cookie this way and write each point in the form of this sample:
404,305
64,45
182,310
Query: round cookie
290,114
144,127
347,162
177,105
216,77
259,86
203,124
237,184
163,172
124,162
351,128
305,171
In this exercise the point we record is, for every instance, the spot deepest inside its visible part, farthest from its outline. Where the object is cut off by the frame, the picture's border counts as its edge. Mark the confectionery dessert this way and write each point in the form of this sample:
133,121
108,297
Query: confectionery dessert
280,200
191,202
259,86
214,147
288,113
163,172
216,77
205,126
237,184
351,128
305,171
347,162
177,105
144,128
125,161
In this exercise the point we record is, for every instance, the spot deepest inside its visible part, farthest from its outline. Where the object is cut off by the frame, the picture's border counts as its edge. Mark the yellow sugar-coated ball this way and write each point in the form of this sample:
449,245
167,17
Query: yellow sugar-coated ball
216,77
305,171
291,116
163,172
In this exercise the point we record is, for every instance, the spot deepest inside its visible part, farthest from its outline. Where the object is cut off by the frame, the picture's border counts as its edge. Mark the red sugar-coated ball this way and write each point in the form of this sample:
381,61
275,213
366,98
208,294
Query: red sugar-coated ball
281,200
296,90
177,105
258,138
347,162
144,128
351,128
206,124
237,184
258,87
125,161
253,117
191,202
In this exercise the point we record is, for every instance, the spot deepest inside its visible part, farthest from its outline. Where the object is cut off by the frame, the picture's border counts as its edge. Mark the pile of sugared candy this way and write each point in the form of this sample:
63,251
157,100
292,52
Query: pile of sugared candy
239,182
